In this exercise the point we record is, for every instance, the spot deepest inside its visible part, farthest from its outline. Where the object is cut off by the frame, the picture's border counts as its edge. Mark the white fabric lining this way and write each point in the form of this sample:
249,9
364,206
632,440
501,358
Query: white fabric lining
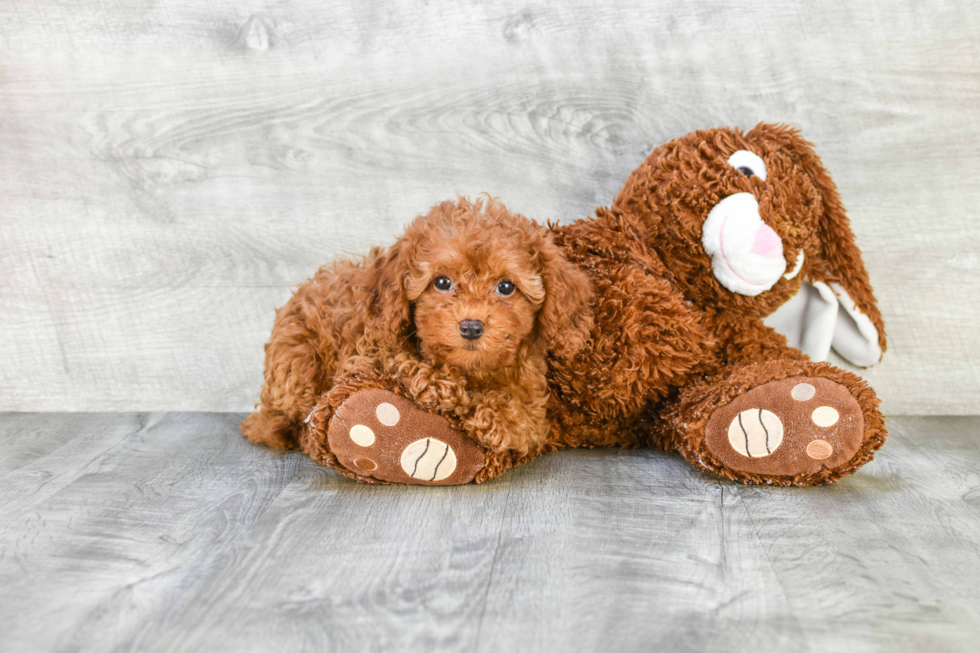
855,337
813,323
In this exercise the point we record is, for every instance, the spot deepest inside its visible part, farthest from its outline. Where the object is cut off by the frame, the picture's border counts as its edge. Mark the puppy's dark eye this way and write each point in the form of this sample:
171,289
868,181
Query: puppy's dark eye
443,284
746,171
505,288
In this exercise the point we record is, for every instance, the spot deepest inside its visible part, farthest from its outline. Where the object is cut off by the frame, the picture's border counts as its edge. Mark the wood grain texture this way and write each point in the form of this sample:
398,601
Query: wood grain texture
169,532
169,171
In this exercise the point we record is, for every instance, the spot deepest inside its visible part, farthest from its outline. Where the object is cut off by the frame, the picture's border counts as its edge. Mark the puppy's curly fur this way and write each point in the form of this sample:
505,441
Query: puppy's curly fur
384,314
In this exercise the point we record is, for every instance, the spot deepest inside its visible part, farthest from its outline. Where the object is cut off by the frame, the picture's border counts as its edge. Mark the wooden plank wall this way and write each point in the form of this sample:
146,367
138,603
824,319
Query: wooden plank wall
169,170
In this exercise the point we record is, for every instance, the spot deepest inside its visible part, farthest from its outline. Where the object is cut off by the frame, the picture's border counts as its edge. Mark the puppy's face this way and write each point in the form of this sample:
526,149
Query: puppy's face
473,285
480,299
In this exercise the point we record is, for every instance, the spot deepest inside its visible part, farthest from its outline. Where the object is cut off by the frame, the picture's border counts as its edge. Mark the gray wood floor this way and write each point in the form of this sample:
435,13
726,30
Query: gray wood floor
156,532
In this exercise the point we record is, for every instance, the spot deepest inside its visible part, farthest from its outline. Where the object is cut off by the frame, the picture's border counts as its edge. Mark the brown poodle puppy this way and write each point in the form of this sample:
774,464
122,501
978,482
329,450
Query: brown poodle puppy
460,311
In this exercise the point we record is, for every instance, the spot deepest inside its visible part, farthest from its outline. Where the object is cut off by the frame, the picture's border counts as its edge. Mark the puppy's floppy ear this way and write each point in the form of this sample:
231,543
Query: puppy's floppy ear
839,264
565,316
388,279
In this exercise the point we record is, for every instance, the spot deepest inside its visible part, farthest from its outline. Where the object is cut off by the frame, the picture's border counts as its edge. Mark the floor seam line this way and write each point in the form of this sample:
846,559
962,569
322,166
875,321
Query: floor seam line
493,566
775,573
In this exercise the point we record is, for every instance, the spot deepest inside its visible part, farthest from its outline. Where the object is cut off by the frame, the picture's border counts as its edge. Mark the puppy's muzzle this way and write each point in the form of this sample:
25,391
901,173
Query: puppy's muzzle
471,329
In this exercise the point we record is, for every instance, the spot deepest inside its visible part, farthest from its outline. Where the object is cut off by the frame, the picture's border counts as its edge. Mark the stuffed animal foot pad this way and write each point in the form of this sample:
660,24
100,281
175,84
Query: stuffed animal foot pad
791,427
379,434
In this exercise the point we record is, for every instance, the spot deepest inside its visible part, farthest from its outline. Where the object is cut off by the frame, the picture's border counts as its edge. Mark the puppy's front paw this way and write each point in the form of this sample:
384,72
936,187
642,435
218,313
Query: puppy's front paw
791,427
380,434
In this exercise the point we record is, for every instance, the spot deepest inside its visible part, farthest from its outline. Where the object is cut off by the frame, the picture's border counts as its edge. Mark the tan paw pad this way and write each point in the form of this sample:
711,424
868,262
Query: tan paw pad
387,414
755,433
803,392
825,416
362,435
819,450
429,459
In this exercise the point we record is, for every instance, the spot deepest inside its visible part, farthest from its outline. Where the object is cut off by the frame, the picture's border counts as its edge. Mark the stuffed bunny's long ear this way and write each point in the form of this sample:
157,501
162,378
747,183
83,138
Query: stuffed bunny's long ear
839,280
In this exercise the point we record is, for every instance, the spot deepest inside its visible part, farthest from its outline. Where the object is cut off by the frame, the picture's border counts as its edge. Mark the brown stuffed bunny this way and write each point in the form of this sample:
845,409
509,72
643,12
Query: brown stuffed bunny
714,233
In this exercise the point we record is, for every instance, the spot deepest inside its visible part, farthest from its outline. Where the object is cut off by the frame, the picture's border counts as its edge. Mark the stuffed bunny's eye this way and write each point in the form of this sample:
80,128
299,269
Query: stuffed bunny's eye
749,164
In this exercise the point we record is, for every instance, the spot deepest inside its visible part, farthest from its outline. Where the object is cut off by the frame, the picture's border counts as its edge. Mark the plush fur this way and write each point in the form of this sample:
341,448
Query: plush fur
384,313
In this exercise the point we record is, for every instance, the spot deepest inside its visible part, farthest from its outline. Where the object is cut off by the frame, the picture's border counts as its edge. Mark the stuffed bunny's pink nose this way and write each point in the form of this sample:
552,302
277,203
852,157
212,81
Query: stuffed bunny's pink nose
767,242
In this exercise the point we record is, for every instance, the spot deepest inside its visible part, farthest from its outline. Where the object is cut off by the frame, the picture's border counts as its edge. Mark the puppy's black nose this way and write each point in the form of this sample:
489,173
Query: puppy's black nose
471,329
